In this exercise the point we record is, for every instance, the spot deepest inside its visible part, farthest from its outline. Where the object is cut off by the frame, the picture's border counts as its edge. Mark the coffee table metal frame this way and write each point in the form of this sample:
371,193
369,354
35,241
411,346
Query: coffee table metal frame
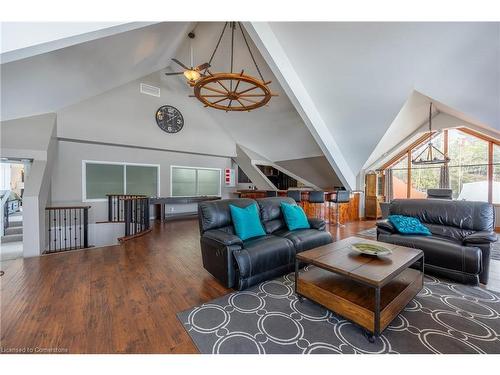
377,289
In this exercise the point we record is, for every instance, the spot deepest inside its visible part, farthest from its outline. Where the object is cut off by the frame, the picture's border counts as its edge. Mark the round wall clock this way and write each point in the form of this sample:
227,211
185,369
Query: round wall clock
169,119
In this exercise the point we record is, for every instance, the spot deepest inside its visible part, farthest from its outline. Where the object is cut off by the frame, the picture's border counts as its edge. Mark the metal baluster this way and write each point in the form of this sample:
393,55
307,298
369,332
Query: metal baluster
80,225
55,231
59,223
110,208
141,216
69,227
147,213
85,227
143,211
121,209
75,228
127,222
64,218
50,239
136,215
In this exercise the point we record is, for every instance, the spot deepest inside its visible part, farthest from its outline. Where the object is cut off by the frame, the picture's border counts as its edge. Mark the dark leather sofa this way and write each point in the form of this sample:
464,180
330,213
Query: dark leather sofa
462,236
240,264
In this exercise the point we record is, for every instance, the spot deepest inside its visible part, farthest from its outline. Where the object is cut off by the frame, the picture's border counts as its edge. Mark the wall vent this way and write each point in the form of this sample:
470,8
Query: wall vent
150,90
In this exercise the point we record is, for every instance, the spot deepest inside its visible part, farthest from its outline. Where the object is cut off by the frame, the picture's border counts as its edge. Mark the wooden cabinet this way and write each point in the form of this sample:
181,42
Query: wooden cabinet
374,194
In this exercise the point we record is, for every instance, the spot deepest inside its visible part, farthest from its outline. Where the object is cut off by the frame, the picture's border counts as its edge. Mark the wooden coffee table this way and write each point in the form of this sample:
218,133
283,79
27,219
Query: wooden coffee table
368,290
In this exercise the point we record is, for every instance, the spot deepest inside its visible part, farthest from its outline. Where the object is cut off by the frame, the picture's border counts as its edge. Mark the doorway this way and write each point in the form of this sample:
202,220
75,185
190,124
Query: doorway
12,176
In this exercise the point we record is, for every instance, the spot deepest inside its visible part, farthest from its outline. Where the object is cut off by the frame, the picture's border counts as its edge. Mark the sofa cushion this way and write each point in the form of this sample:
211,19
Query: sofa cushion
263,254
483,237
295,217
306,239
271,214
408,225
447,231
317,223
477,216
217,214
246,221
441,252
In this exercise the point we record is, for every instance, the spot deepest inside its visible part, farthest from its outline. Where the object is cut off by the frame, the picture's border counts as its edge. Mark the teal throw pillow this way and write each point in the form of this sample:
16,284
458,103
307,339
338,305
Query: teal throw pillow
295,218
408,225
246,221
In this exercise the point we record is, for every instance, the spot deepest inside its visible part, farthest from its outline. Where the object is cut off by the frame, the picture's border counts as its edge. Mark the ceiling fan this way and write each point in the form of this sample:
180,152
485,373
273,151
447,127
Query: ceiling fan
193,73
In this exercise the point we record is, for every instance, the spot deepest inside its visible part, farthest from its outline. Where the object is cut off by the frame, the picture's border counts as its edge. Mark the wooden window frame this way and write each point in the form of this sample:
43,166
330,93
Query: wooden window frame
407,152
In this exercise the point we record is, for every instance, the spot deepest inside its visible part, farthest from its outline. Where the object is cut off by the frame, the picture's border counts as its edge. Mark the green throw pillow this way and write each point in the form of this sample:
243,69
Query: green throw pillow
246,221
408,225
295,218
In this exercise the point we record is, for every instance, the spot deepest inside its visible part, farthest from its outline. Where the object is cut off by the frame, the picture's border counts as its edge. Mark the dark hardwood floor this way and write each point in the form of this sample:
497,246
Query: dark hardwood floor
117,299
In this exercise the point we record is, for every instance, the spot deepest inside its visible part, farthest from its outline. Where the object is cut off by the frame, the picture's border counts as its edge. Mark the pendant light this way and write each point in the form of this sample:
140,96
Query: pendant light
430,154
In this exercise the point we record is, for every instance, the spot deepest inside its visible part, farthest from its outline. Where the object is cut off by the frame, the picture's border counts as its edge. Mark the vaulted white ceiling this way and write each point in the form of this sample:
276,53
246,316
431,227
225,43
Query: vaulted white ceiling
355,77
275,131
359,75
85,68
50,81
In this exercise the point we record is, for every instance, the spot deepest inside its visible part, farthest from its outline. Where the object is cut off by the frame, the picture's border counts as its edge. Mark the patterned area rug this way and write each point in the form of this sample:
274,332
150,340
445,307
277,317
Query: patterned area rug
372,234
268,318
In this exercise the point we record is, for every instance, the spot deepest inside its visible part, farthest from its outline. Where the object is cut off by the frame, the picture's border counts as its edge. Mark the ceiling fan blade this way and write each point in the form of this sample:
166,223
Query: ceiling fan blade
202,66
181,64
174,74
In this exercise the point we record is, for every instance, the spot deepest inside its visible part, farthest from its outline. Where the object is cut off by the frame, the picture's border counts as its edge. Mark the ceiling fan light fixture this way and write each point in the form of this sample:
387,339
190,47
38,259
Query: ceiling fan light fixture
192,75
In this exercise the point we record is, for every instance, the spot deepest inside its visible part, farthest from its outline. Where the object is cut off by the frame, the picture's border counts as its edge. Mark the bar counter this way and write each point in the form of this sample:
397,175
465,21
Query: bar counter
348,211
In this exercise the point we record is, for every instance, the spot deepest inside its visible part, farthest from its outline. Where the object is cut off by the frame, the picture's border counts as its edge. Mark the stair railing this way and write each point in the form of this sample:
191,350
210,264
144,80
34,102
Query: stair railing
136,217
4,204
67,228
116,206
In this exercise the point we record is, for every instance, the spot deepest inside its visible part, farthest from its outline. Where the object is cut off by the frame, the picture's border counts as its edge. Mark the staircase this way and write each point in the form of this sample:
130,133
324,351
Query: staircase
12,240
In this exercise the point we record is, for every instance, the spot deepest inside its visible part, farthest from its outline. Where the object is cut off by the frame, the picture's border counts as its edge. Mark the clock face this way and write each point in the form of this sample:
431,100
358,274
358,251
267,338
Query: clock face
169,119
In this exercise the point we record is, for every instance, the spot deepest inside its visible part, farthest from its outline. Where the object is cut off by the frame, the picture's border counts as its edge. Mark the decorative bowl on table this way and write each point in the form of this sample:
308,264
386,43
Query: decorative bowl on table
370,249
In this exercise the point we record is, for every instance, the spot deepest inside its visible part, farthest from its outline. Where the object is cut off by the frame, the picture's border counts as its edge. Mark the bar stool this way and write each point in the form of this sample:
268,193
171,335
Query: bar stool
317,198
342,196
295,195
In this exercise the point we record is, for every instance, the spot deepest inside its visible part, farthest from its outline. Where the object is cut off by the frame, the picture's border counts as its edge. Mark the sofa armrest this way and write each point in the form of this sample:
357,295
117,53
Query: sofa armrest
317,224
386,226
481,237
224,238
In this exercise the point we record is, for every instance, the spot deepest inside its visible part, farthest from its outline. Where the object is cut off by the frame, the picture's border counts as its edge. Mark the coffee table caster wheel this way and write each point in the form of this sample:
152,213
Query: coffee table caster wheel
370,336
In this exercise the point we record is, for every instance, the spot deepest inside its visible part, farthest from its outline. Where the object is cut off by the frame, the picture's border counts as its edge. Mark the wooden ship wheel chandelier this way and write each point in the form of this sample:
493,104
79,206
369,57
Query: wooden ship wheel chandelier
231,91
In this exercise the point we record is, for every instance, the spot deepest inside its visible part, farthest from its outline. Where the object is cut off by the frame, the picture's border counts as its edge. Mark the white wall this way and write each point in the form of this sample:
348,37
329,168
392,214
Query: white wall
33,138
4,176
67,175
124,116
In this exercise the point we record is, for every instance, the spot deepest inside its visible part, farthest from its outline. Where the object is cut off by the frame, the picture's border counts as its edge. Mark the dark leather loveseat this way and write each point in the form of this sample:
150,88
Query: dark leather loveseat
240,264
462,236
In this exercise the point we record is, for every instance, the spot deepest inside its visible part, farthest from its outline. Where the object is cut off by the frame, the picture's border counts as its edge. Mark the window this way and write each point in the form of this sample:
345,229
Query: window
102,178
428,177
191,181
473,172
423,179
496,175
468,166
141,180
400,179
